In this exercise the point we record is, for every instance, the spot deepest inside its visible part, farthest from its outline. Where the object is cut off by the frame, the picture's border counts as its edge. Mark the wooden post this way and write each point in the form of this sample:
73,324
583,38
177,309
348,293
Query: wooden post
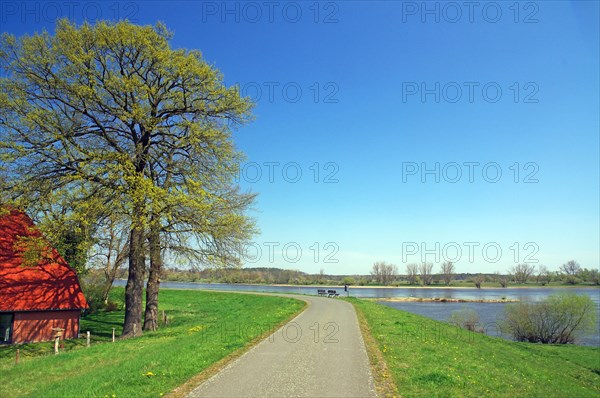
56,345
17,357
164,317
113,335
88,339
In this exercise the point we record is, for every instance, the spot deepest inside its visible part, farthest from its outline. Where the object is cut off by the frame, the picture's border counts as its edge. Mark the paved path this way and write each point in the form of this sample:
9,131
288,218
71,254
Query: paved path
298,361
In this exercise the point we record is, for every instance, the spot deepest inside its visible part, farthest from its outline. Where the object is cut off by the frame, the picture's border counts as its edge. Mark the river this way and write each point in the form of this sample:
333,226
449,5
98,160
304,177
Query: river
490,314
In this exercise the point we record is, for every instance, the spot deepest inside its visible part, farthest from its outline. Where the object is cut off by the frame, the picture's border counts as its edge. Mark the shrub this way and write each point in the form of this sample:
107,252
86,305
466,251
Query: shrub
348,280
465,318
478,280
590,275
559,319
94,286
572,280
112,306
92,290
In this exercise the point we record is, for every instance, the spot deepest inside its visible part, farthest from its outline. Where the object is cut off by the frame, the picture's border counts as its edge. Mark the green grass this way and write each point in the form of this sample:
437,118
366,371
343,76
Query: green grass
204,327
100,326
427,358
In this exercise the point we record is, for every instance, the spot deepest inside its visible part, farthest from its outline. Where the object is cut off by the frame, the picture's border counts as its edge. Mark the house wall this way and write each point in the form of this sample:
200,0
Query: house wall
37,325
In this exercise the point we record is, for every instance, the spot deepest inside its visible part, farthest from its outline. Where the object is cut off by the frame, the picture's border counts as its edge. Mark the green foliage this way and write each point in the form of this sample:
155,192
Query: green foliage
107,119
348,280
93,285
3,210
590,275
572,280
74,244
110,117
33,249
558,319
427,358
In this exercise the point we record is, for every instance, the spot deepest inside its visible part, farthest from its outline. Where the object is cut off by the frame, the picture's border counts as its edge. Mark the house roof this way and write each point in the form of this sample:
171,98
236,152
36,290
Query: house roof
45,282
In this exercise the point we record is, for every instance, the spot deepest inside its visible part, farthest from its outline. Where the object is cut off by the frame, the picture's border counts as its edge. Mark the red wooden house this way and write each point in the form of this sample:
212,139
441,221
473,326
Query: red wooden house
36,296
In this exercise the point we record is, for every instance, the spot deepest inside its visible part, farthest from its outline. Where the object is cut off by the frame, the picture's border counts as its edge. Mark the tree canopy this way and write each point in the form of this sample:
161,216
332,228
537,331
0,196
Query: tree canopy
109,119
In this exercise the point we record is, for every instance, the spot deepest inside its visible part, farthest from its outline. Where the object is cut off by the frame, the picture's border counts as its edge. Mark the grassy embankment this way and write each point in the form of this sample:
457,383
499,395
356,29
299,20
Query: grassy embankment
204,328
427,358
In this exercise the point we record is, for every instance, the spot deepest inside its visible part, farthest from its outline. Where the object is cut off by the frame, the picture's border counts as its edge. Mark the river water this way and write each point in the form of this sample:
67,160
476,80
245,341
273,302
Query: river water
490,314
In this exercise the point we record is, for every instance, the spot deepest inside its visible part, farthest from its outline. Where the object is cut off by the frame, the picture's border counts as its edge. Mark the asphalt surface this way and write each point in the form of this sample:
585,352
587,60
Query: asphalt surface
320,353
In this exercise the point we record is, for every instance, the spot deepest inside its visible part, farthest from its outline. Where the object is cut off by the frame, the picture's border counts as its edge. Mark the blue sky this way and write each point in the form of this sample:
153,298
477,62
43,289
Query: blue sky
370,94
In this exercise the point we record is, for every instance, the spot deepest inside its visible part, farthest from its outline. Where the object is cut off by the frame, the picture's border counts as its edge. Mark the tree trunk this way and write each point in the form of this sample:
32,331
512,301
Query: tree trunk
151,315
106,290
135,283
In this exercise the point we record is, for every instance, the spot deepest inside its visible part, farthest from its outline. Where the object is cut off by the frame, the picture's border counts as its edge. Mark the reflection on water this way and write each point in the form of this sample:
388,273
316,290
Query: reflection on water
489,313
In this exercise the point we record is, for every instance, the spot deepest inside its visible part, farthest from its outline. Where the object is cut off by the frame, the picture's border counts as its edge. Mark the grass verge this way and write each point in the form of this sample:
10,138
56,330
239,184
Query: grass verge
204,328
434,359
384,384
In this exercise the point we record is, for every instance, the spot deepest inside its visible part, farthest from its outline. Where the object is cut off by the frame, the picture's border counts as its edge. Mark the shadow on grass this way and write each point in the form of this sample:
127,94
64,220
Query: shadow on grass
102,323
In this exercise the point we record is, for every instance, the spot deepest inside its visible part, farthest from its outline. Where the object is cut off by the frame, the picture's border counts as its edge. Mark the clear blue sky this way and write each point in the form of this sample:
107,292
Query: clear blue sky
369,117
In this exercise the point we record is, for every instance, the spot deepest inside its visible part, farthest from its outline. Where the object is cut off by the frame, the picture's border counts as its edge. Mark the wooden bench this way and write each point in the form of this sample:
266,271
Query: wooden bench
321,292
332,293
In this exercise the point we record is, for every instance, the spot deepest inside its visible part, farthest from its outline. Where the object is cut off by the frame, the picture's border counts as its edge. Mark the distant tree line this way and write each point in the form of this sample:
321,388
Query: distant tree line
260,275
423,274
385,274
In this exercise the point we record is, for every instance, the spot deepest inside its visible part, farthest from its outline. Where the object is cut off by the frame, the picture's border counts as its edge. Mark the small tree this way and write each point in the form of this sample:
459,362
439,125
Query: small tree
425,270
411,273
571,269
377,271
110,252
447,272
464,318
478,280
543,275
522,272
348,280
502,279
391,271
595,276
591,275
384,273
321,275
559,319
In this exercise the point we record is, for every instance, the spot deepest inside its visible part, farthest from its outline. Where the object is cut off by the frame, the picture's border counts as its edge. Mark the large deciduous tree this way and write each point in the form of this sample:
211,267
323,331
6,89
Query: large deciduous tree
112,110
